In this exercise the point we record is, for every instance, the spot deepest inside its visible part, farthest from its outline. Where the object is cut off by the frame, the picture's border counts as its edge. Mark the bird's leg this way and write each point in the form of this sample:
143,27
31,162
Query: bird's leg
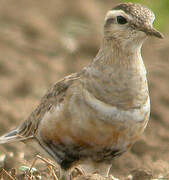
99,168
72,173
76,172
103,169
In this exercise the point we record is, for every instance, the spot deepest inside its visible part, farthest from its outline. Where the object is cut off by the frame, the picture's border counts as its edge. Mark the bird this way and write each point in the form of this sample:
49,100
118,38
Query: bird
92,116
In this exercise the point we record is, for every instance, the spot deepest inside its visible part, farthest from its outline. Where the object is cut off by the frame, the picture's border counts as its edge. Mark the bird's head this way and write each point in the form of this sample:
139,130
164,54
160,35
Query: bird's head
130,24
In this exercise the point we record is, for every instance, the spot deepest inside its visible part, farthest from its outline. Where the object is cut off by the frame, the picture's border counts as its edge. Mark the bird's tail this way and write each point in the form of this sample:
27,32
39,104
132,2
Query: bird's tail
12,136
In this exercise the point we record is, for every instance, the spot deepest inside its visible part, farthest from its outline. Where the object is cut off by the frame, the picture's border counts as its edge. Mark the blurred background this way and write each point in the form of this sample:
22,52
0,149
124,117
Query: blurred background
42,41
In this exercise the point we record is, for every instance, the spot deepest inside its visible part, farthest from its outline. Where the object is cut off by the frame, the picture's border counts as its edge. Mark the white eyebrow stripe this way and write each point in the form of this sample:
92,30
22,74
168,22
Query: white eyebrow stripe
114,13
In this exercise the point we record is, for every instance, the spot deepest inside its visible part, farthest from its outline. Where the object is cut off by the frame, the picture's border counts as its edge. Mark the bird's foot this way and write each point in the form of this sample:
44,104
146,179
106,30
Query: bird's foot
77,171
112,177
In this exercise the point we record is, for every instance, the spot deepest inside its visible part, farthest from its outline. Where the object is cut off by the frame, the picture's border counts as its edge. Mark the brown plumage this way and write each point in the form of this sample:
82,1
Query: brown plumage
97,114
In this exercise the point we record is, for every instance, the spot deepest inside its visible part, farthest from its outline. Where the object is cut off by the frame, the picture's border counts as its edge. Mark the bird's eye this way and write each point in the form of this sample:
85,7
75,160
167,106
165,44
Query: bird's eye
121,20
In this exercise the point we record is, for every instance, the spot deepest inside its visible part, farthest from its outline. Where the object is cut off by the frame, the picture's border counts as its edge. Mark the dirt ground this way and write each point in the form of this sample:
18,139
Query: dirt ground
41,42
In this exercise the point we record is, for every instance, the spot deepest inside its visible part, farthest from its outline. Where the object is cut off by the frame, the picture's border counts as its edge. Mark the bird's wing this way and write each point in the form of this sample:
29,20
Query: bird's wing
53,97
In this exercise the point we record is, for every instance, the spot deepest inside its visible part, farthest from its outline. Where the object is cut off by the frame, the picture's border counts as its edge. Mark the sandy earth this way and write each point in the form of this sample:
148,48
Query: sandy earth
41,42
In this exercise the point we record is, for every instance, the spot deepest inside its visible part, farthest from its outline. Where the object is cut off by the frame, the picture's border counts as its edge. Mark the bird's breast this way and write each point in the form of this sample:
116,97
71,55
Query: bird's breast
85,127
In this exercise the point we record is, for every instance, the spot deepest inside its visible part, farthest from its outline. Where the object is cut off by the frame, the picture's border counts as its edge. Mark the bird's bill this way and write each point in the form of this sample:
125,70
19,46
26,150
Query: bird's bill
153,32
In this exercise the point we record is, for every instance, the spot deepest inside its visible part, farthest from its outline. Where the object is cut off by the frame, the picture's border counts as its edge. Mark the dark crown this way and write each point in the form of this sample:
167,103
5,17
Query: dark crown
140,13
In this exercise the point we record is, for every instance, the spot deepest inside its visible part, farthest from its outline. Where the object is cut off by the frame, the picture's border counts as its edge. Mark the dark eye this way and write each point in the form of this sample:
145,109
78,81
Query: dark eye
121,20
